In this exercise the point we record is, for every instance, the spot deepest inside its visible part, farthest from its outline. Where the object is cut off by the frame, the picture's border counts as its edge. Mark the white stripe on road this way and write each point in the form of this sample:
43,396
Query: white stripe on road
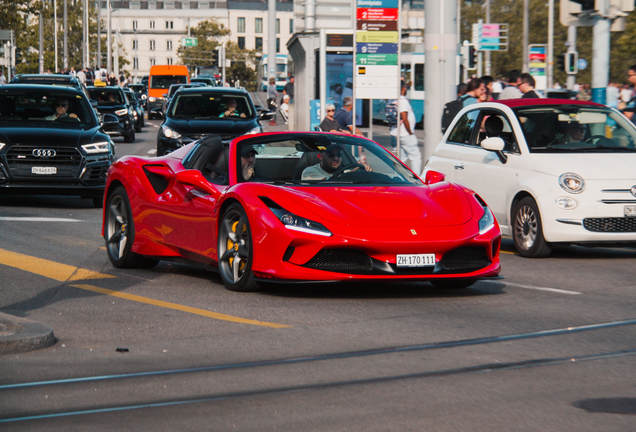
154,125
38,219
554,290
152,151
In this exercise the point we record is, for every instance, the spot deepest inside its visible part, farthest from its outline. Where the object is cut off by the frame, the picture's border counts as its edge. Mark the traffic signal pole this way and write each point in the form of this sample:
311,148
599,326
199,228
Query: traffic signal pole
571,80
600,53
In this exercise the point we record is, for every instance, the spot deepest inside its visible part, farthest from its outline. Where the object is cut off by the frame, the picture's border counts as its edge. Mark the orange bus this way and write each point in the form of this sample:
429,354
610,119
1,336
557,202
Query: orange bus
160,79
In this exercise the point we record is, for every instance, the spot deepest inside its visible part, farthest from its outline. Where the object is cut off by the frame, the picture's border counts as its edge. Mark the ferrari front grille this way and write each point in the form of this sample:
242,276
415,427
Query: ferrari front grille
610,224
465,259
341,260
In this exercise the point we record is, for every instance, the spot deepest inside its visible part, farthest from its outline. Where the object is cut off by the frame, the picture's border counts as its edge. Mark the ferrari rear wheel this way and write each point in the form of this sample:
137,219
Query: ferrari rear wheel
235,250
119,233
453,283
527,230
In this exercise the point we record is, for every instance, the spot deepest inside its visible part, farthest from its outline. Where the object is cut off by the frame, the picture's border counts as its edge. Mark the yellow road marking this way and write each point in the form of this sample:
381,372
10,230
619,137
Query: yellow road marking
50,269
508,252
178,307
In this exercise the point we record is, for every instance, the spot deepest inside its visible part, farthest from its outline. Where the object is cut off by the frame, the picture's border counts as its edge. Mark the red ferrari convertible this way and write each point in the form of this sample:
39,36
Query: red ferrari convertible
296,206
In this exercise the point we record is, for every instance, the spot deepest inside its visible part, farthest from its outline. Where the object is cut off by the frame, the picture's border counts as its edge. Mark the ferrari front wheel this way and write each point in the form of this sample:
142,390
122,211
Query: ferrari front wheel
235,250
119,233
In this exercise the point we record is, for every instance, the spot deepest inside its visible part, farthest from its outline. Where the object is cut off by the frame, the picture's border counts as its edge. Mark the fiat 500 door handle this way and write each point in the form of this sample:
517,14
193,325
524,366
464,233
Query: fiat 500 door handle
459,166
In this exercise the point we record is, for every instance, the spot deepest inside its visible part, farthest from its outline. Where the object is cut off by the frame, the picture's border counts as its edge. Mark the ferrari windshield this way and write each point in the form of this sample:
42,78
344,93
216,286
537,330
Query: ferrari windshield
211,106
52,106
320,159
576,129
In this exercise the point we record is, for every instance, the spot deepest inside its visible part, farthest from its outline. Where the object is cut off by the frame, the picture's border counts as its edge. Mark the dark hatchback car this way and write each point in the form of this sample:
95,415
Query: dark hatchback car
51,143
112,100
50,79
138,111
198,112
171,92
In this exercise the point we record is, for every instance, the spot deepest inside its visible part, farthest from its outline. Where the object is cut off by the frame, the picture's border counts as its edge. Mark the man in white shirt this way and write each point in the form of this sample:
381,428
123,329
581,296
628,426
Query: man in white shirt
511,91
330,161
409,147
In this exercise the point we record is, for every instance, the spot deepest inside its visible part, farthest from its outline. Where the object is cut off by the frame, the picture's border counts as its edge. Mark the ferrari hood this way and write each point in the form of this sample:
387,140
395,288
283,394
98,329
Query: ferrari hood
590,166
379,207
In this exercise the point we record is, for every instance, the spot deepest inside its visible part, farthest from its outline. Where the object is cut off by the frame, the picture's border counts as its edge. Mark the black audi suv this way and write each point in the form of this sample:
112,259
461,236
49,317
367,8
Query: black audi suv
197,112
112,100
51,143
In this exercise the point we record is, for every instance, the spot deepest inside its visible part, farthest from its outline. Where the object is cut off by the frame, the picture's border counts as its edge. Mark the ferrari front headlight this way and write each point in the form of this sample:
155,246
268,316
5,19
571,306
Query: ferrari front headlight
487,221
169,133
572,183
100,147
297,223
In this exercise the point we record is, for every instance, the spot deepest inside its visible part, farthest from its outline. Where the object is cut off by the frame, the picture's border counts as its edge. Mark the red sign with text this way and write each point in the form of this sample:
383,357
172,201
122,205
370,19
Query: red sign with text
377,14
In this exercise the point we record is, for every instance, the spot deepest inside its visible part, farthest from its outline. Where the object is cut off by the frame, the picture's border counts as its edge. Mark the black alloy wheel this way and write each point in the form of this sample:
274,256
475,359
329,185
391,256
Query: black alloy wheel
119,233
235,250
527,230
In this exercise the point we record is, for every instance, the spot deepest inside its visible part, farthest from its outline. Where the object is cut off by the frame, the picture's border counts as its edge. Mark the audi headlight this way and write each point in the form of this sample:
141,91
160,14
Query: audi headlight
256,130
152,99
169,133
487,221
121,112
100,147
297,223
1,145
572,183
144,97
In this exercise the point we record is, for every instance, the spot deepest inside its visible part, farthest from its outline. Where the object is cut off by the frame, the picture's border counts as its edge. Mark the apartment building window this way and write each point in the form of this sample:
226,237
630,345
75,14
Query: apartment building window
169,61
168,45
258,44
258,25
277,45
169,25
135,44
153,62
291,26
135,63
277,25
241,25
152,45
134,25
152,24
241,42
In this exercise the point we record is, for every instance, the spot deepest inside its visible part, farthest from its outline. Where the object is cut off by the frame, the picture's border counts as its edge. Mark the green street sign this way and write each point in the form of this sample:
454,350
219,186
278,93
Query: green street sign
189,41
378,59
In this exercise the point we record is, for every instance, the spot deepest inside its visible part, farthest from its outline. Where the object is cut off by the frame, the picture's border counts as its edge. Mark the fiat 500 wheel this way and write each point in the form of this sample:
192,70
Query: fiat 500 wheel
527,230
235,251
119,233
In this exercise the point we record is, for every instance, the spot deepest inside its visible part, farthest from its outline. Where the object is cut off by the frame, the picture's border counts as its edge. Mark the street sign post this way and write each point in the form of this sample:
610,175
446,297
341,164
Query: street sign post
189,41
490,37
537,65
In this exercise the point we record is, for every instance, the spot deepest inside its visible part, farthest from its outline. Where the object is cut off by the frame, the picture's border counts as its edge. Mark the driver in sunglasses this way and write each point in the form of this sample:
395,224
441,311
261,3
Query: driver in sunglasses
60,108
330,160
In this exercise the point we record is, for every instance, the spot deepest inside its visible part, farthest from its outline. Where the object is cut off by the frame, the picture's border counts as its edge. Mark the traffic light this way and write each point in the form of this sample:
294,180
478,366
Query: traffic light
561,62
472,57
18,55
571,63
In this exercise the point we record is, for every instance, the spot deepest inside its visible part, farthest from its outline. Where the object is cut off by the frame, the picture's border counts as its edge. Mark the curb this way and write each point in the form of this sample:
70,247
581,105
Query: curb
18,335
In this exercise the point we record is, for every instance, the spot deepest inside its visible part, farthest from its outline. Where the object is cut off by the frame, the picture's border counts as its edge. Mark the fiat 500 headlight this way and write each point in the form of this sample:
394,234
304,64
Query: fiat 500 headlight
169,133
297,223
572,183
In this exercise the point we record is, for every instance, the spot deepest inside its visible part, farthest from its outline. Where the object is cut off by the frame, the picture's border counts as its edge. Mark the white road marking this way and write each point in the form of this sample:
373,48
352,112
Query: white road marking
37,219
554,290
154,125
152,151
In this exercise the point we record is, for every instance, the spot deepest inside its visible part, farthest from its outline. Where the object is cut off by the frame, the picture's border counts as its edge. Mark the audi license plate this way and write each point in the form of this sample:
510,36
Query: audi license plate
415,260
630,211
43,170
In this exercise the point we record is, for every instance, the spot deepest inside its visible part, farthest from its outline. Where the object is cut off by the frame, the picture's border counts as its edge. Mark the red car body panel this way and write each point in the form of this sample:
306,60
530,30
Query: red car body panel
381,221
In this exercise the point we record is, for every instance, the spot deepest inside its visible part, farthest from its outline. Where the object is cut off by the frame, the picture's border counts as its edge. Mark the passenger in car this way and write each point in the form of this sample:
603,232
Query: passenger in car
249,170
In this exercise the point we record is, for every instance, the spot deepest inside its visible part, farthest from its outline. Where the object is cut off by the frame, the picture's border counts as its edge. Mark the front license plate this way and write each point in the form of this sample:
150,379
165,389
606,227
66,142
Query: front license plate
415,260
630,211
43,170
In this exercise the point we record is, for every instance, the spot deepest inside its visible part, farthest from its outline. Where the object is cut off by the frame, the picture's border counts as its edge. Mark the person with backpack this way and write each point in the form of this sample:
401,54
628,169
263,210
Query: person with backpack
474,90
409,147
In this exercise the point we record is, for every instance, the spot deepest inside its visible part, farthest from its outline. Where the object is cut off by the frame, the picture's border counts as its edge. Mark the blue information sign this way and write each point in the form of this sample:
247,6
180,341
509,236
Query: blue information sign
376,48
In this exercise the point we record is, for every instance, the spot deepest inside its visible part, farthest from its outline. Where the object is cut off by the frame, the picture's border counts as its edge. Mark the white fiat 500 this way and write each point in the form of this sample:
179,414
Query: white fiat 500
552,170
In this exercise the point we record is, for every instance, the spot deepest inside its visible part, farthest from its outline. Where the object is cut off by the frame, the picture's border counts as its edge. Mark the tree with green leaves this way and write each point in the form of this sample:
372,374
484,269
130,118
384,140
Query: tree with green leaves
209,36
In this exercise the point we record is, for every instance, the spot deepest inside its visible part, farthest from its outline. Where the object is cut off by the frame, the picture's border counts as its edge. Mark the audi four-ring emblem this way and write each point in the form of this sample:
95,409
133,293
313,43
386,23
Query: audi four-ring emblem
44,153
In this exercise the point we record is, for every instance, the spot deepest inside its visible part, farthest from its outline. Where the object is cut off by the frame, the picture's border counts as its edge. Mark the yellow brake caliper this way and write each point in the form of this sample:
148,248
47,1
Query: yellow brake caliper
235,246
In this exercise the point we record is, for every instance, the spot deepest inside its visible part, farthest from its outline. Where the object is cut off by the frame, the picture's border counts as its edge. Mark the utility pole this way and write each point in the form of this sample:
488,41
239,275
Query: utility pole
109,46
271,39
487,52
526,42
550,43
65,62
99,34
571,80
600,53
41,46
440,45
55,32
